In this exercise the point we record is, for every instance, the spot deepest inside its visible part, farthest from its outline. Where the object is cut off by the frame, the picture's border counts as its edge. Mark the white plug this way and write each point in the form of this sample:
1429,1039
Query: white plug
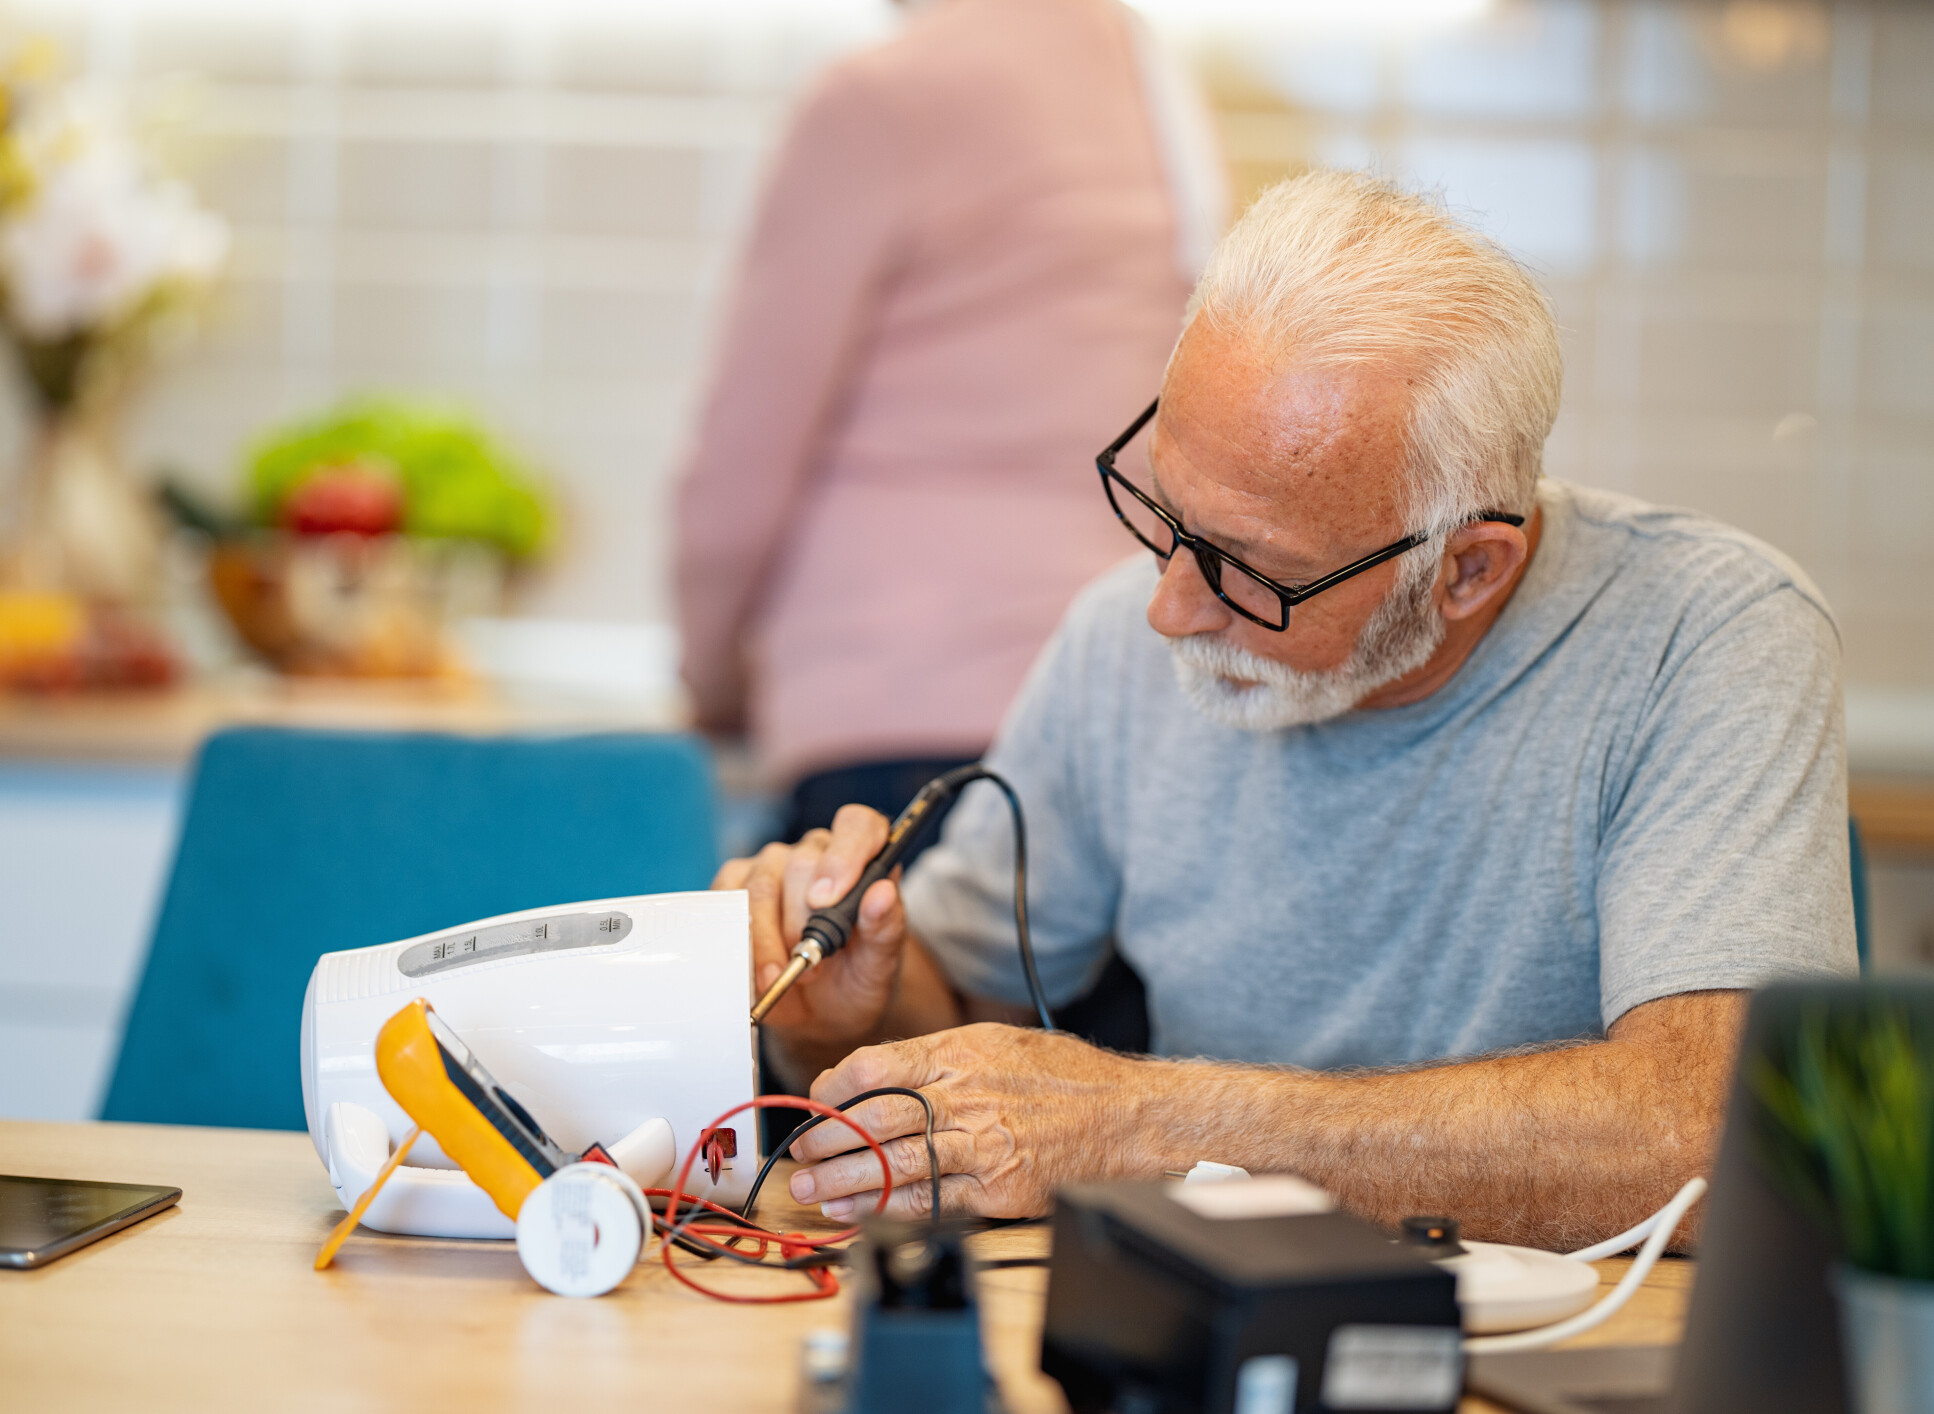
580,1231
1662,1224
1206,1172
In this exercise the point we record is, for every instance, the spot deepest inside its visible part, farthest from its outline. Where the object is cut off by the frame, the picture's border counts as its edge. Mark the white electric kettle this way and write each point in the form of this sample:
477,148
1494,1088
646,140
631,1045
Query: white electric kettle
620,1022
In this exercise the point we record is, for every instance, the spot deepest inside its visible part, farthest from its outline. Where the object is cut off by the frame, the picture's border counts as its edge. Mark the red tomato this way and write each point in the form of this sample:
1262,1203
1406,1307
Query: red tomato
357,497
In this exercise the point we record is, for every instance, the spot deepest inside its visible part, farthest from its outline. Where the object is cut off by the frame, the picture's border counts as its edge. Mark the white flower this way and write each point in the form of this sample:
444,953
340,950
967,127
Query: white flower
99,235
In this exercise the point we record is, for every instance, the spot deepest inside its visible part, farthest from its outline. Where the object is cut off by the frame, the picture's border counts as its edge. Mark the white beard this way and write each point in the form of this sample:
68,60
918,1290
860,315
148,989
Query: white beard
1399,638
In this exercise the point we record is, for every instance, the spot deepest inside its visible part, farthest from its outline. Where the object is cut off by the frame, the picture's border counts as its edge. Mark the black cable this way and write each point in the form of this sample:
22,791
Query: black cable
702,1248
709,1250
952,783
779,1150
995,1263
699,1246
1021,933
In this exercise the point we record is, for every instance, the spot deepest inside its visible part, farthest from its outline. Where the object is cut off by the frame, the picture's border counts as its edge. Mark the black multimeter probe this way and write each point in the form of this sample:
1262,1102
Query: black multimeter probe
828,929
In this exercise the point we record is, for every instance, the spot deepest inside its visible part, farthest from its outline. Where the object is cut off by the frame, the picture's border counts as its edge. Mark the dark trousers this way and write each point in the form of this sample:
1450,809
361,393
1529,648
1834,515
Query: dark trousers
886,786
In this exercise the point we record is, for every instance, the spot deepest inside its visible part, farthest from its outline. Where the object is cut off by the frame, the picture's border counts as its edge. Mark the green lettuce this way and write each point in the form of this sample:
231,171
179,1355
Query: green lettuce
458,482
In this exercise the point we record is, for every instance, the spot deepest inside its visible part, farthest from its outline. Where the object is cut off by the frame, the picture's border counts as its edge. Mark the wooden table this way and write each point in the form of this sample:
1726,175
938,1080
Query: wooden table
1896,814
168,726
213,1304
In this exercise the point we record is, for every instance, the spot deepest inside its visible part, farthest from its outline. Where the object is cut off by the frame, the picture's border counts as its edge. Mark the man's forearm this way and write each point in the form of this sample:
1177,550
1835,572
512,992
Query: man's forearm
1554,1149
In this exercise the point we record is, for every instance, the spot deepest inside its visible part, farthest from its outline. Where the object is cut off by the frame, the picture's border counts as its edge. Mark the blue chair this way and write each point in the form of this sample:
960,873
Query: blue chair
1862,917
298,843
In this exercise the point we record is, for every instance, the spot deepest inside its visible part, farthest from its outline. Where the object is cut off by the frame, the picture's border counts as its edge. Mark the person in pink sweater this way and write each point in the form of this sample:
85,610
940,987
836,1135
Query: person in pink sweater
968,267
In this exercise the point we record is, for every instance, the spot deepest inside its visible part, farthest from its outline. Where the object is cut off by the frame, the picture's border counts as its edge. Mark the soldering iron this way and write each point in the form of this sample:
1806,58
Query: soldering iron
829,928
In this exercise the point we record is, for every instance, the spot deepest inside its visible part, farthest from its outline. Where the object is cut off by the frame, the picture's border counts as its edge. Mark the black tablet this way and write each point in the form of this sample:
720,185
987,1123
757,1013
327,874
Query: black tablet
42,1218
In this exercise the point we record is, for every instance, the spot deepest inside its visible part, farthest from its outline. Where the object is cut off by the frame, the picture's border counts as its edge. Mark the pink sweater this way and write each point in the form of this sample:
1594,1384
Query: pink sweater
960,285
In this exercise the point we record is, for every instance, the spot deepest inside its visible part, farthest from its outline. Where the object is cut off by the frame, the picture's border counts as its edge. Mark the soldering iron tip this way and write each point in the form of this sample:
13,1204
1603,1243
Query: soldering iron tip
781,984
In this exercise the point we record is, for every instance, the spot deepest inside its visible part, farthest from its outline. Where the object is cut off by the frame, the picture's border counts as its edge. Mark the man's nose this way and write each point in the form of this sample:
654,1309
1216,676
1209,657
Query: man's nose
1183,603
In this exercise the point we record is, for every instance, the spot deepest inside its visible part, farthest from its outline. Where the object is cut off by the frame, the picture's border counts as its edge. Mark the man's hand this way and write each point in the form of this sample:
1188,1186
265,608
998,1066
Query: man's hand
1555,1149
843,998
882,982
1017,1113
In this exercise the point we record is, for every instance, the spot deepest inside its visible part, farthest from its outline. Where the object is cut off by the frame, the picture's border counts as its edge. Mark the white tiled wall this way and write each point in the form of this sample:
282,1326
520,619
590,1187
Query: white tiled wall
531,206
1730,203
527,207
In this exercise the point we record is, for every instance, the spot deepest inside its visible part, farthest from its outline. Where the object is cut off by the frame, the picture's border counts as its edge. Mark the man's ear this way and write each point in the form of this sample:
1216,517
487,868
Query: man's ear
1480,561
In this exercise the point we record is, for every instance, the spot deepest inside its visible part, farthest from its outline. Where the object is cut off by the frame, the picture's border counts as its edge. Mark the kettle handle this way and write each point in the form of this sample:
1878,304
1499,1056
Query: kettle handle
422,1202
427,1202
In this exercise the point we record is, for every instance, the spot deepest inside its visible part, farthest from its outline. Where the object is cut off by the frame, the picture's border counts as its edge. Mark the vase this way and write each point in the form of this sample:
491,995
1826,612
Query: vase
1887,1324
87,530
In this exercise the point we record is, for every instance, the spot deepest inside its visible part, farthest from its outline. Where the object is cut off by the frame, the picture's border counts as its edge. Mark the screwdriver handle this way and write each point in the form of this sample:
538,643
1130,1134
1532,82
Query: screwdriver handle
832,925
829,928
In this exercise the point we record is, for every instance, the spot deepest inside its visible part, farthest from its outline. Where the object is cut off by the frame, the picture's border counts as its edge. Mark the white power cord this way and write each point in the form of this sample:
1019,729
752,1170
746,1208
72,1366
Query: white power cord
1657,1230
1624,1242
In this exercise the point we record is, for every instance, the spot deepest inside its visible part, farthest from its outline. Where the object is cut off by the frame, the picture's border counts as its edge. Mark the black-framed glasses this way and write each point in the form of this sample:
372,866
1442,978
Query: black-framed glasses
1248,591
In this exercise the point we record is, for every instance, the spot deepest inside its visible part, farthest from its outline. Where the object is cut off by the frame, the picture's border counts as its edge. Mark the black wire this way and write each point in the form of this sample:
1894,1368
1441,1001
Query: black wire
994,1263
779,1150
954,781
709,1250
1021,933
699,1246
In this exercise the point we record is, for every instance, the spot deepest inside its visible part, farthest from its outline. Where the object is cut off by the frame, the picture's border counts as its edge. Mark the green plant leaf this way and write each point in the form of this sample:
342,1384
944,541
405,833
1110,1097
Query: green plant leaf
1846,1127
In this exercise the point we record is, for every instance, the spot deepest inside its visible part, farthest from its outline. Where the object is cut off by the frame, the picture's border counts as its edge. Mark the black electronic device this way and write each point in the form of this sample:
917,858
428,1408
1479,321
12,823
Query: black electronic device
45,1218
915,1342
1161,1299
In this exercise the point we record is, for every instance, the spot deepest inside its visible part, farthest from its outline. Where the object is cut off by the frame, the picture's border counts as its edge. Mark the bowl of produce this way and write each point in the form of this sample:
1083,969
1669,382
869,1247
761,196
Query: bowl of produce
370,529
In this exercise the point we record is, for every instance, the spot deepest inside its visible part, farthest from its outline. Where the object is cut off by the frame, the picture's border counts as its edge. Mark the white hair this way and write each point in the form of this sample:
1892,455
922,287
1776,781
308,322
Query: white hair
1340,269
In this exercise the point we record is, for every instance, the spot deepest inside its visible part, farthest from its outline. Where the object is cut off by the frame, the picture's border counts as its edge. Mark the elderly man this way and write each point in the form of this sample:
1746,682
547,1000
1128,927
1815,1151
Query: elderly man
1447,813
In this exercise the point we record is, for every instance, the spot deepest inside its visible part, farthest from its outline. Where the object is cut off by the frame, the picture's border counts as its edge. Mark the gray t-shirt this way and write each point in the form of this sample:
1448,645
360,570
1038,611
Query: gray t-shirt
1635,786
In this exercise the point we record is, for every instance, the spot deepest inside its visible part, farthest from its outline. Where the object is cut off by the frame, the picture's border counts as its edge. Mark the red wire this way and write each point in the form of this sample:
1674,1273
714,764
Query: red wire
791,1244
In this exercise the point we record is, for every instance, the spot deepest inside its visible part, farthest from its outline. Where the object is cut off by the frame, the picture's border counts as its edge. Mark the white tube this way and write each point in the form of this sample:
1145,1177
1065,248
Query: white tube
1664,1223
1612,1246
